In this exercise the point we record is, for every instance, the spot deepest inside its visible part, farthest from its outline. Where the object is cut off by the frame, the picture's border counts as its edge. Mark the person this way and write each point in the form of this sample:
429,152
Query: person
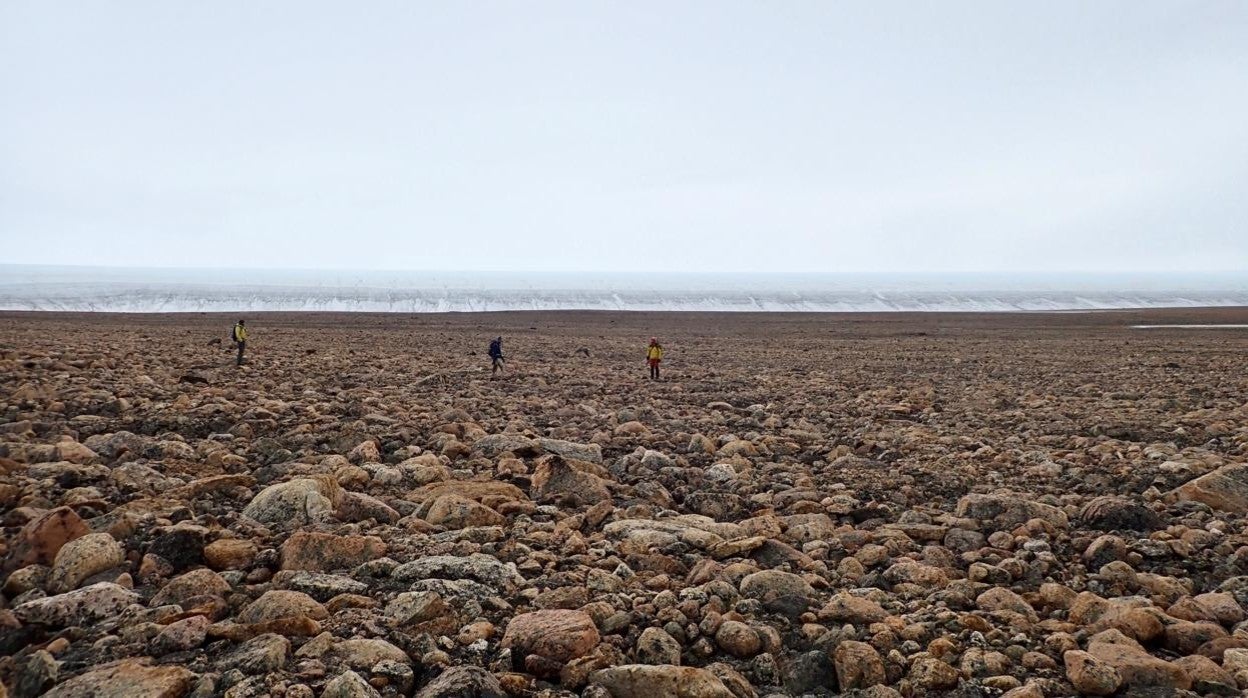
654,354
496,355
240,339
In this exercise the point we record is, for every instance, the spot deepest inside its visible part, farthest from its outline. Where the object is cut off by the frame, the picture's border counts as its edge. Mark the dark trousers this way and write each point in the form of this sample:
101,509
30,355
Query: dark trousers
654,369
241,347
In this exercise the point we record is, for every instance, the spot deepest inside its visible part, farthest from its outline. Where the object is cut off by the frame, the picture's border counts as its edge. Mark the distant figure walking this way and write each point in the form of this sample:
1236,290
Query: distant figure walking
496,355
240,338
654,354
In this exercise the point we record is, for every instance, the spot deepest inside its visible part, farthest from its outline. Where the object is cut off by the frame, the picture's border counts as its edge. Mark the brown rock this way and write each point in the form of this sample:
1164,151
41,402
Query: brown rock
933,675
1207,676
738,639
858,665
1005,511
558,480
1225,488
78,607
296,626
323,552
1186,637
846,608
189,585
558,635
1139,669
1089,675
185,634
230,554
459,681
1222,606
365,452
126,679
276,604
42,538
1030,690
456,512
655,646
1002,599
362,654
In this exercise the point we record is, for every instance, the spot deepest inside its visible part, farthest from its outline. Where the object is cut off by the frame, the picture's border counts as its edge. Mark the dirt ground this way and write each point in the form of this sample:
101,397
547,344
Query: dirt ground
844,450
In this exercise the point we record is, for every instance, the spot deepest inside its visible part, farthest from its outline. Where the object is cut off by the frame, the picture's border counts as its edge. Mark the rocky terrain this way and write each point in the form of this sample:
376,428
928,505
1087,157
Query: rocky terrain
869,505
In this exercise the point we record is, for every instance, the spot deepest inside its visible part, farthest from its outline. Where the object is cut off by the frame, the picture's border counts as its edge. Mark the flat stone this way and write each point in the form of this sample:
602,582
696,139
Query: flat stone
126,679
476,567
79,607
650,681
1225,489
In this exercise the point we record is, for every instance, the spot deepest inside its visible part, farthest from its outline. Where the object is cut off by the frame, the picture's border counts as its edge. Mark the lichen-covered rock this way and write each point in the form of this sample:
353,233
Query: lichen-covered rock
278,603
82,558
78,607
459,681
296,503
649,681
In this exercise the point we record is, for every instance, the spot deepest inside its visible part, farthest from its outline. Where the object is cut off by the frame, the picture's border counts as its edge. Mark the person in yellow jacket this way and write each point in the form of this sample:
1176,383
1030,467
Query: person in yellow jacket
240,338
654,354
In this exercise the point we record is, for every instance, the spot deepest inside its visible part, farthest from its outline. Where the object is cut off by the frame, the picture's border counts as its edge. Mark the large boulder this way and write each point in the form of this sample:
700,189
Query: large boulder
858,665
1008,510
193,583
557,480
1225,489
297,502
1119,514
362,654
496,444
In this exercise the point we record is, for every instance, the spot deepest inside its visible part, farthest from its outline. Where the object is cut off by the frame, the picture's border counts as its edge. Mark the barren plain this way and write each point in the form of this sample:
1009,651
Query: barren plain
1025,505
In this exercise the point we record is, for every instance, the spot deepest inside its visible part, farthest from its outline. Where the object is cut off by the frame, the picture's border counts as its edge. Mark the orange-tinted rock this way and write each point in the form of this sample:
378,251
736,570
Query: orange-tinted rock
40,540
322,552
558,635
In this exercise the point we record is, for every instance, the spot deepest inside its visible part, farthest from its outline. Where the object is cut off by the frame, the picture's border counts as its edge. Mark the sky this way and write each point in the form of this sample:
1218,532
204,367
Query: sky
811,136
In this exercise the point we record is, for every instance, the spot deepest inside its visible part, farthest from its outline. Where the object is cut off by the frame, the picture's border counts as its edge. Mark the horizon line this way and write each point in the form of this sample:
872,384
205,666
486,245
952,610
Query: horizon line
1032,272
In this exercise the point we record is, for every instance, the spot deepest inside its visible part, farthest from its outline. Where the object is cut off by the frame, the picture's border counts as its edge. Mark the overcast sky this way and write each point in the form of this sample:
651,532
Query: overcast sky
685,136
